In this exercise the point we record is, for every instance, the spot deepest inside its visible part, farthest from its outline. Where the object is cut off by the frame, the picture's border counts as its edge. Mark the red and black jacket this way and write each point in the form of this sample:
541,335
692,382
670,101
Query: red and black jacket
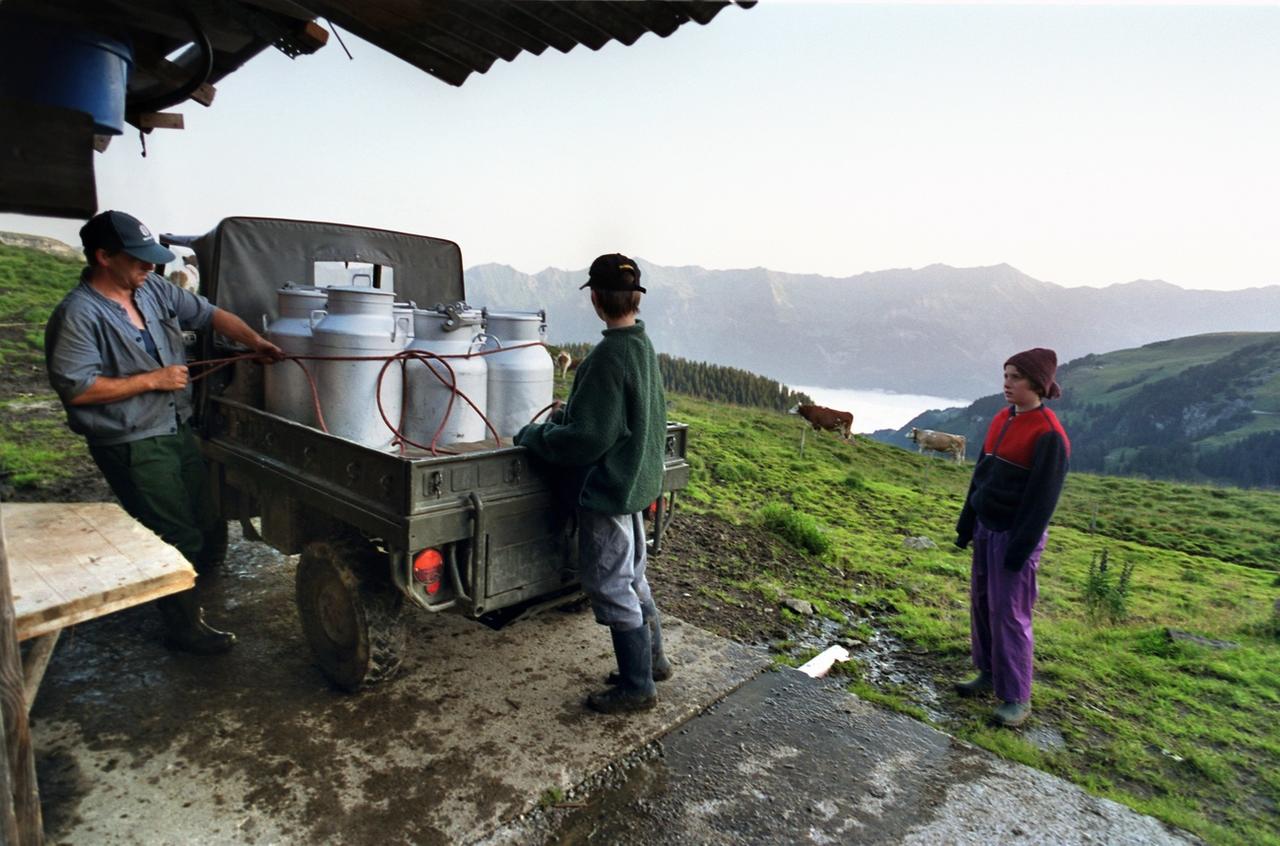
1017,480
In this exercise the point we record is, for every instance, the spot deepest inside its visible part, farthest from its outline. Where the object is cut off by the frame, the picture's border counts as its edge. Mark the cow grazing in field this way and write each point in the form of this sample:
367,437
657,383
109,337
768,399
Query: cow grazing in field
821,417
939,442
187,276
563,362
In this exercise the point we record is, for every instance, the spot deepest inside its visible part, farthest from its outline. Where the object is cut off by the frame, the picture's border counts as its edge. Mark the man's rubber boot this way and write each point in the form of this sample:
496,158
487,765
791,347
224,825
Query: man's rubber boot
636,690
1012,714
976,686
662,668
185,628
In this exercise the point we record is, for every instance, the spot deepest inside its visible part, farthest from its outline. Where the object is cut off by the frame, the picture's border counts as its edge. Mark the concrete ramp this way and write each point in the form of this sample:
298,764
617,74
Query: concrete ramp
138,745
789,759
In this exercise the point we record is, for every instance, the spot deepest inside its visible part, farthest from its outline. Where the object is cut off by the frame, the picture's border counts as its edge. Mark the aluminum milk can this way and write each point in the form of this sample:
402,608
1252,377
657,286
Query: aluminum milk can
446,333
358,322
287,392
521,381
405,311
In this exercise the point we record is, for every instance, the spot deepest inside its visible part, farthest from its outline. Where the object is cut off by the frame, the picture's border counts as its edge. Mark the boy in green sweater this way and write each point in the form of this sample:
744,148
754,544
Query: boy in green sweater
611,438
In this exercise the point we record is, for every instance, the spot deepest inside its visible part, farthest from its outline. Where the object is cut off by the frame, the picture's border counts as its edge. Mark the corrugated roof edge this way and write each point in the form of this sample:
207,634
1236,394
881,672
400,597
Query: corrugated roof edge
453,39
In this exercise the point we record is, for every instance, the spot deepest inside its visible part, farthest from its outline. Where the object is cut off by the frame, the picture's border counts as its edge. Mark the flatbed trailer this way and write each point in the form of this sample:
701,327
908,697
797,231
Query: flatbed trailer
480,532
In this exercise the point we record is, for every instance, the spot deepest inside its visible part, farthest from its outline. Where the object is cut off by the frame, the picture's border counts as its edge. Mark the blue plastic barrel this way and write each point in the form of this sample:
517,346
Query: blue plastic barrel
60,65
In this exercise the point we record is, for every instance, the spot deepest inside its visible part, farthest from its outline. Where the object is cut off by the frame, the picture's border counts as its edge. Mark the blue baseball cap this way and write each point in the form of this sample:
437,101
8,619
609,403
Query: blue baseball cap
116,231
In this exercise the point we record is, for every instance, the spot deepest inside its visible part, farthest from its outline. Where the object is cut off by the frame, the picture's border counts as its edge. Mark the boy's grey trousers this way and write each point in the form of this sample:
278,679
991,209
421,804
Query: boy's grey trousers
612,554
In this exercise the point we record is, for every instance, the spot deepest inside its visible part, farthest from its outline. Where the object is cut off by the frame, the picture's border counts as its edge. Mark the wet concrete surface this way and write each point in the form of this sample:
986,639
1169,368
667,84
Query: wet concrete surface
139,745
787,759
483,737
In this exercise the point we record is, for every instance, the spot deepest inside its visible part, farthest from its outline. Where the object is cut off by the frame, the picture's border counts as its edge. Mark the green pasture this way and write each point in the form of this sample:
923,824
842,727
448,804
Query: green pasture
1127,371
31,284
1187,733
34,439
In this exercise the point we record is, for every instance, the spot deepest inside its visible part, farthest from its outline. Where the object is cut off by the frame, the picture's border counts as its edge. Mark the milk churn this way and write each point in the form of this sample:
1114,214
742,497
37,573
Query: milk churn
404,320
521,378
288,393
358,322
446,331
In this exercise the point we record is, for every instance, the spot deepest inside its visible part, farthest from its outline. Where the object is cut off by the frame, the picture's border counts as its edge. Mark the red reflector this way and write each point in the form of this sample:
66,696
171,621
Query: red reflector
428,568
652,509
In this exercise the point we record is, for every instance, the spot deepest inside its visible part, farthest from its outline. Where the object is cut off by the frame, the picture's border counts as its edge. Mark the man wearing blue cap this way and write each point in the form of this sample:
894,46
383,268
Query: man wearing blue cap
115,355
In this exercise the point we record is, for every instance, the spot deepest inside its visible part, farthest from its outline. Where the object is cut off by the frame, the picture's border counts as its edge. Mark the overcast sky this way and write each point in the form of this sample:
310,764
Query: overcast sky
1084,145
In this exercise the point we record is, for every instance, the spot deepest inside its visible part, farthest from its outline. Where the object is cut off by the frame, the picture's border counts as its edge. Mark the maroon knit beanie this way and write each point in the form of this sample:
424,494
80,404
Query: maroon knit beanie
1040,365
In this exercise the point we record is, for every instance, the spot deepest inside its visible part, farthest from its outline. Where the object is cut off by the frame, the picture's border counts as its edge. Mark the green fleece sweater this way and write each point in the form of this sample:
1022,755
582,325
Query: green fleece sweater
612,432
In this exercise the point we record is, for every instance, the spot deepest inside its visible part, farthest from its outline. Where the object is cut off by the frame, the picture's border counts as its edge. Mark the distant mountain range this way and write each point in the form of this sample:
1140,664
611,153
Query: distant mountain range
41,243
937,330
1204,408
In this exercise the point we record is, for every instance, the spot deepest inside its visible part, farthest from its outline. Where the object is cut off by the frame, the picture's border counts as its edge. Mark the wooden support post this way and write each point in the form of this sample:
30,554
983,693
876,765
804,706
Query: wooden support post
35,665
17,734
803,432
8,822
46,160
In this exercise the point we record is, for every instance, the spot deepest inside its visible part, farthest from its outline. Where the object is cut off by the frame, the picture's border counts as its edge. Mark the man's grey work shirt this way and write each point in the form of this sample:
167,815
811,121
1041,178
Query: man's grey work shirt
89,336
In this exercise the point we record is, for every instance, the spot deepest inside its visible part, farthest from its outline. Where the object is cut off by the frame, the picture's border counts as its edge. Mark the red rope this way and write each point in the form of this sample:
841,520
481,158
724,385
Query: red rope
403,357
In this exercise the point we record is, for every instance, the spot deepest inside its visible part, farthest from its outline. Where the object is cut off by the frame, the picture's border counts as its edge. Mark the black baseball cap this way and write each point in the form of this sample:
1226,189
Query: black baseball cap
613,272
115,230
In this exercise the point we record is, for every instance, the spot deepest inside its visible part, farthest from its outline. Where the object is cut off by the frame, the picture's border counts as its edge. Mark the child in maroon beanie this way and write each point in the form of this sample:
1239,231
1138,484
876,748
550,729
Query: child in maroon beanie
1016,483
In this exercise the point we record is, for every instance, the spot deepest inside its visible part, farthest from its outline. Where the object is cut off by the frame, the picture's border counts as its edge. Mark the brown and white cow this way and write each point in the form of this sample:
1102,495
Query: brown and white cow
821,417
563,361
939,442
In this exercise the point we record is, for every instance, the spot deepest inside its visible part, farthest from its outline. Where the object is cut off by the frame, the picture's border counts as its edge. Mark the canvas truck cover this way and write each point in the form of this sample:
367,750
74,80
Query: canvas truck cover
245,260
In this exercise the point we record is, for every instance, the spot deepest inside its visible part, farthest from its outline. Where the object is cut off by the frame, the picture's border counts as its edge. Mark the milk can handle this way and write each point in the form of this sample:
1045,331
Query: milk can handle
484,338
395,327
311,318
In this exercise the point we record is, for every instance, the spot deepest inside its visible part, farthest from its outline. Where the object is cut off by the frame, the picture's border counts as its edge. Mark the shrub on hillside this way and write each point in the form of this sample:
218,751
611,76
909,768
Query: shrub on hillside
795,527
1106,592
854,481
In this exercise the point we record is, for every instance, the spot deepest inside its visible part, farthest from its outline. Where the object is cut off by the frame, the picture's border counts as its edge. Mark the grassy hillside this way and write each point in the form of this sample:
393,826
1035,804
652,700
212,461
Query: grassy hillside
34,442
1183,731
1202,408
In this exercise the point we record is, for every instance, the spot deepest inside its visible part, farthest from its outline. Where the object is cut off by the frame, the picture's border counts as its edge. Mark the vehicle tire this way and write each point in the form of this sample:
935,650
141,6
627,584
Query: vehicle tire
350,612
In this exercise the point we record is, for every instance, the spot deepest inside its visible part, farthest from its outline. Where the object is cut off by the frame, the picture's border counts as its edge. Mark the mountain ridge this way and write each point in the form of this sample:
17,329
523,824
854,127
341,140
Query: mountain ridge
937,330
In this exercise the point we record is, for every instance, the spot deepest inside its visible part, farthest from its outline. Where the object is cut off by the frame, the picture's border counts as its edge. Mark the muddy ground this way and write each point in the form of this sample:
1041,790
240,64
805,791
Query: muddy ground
139,745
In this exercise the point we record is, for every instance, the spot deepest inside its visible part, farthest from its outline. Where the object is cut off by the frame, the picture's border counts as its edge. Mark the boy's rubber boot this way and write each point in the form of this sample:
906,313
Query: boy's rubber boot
636,690
1012,714
662,668
976,686
185,628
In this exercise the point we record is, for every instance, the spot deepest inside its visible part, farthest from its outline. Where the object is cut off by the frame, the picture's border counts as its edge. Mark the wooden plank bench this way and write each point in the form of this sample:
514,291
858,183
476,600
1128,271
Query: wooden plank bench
72,562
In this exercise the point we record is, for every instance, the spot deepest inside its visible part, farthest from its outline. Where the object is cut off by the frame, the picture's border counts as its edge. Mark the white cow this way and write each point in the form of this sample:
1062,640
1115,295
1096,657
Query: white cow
939,442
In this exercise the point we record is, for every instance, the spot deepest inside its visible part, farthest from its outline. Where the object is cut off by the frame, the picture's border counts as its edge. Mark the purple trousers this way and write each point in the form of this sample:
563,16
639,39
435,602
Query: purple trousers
1000,603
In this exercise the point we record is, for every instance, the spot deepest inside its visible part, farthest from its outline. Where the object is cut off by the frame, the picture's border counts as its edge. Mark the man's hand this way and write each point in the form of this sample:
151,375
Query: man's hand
267,351
171,378
229,326
105,389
